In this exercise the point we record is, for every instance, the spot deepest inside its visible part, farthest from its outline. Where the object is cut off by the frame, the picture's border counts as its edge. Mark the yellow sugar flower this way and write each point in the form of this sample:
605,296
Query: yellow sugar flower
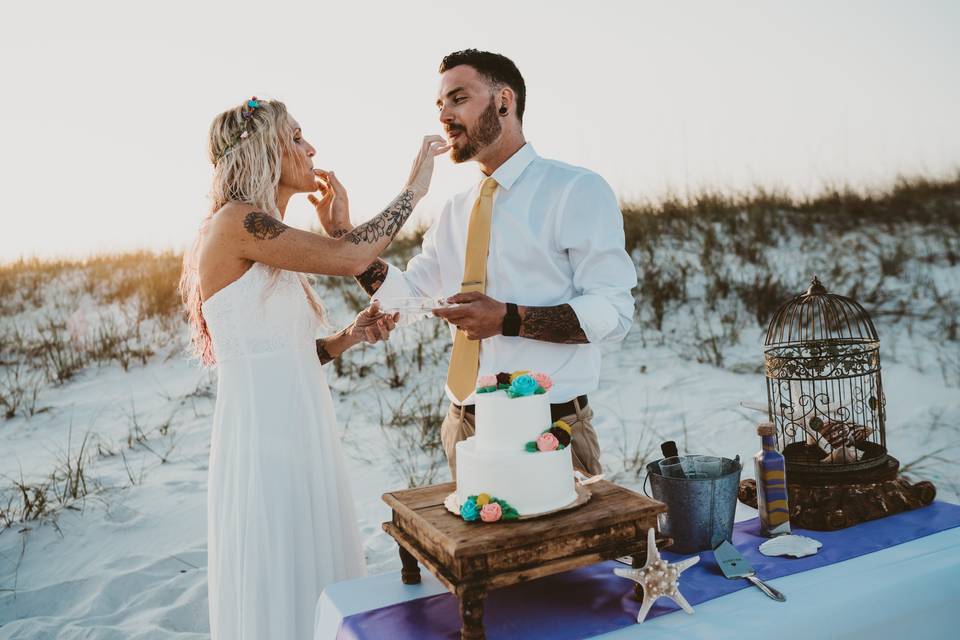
563,425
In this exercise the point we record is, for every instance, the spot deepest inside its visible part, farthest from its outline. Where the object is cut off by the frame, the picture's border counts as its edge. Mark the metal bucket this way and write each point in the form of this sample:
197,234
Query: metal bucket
699,510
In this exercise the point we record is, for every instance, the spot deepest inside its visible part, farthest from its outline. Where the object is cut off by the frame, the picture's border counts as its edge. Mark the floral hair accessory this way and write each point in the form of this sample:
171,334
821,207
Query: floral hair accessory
249,109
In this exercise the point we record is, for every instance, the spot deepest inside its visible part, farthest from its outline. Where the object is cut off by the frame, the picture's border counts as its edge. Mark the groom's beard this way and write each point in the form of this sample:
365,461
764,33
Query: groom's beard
486,132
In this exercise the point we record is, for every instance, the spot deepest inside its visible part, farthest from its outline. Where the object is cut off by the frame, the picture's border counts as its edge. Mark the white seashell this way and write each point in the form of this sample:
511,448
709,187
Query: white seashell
452,504
843,455
790,545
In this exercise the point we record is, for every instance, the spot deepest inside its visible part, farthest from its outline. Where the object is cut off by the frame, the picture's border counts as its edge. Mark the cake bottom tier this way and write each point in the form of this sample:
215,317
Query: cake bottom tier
530,482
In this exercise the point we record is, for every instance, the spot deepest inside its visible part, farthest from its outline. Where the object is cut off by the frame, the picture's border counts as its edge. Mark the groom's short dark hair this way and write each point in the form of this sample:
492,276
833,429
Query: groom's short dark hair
496,68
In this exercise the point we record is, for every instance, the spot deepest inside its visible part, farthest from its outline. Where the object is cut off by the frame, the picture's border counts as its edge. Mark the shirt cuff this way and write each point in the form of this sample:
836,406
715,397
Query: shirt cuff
597,316
394,285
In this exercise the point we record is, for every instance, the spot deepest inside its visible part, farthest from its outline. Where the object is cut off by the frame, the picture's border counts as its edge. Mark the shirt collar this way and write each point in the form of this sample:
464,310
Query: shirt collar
511,170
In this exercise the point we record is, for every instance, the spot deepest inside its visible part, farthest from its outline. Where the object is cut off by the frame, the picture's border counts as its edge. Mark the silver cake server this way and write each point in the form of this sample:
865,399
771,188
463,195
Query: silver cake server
734,566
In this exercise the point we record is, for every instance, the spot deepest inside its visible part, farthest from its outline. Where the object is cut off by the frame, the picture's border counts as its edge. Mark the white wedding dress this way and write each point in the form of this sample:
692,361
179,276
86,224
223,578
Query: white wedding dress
280,517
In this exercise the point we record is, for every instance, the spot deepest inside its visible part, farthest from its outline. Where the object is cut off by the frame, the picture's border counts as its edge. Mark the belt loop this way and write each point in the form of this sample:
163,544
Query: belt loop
576,407
463,409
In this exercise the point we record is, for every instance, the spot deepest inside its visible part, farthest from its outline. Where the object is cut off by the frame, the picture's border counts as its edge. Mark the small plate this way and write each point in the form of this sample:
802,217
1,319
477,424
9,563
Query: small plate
411,305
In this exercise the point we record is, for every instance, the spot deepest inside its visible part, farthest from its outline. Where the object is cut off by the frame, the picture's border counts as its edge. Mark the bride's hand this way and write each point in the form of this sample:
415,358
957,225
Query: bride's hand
372,326
422,169
333,205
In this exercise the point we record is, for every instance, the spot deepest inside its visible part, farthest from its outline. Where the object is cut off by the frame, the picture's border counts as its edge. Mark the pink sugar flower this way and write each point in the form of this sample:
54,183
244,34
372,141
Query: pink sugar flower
543,380
491,512
486,381
547,442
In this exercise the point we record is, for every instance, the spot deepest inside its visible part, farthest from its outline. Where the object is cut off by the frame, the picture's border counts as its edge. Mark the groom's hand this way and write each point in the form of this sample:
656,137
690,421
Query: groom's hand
476,314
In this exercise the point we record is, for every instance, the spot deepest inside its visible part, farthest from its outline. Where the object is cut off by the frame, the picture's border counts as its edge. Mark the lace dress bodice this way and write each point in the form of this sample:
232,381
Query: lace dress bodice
263,311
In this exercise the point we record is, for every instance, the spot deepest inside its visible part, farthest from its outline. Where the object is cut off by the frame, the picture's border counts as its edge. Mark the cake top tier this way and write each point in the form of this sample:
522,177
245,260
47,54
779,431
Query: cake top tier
506,424
517,384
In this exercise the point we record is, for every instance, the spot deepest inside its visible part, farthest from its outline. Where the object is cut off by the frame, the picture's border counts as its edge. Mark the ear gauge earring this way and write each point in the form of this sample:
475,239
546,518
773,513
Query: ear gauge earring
503,111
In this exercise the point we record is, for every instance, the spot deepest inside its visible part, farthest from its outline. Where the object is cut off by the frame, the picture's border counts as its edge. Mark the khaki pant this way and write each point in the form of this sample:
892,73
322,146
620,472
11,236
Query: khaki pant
459,425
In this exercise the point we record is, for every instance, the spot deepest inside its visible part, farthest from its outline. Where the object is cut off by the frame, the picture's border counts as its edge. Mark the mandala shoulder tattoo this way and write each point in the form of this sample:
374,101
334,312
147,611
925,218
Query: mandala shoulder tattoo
263,226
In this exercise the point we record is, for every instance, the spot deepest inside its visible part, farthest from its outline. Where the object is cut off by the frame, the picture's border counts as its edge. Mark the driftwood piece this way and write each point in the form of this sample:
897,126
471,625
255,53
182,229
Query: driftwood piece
831,507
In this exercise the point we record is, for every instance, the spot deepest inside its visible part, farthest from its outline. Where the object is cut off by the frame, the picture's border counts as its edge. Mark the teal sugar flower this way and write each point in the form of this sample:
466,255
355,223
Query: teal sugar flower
524,385
469,511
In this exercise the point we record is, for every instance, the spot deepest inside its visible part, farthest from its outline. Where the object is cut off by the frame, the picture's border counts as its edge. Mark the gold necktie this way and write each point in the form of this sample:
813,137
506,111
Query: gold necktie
465,358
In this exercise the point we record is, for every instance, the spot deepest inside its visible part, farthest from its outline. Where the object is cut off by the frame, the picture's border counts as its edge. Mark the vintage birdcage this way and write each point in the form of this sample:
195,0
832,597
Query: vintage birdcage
824,390
825,396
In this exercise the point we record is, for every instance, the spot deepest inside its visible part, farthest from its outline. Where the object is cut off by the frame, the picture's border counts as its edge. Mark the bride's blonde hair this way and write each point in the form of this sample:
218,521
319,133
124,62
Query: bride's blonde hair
246,146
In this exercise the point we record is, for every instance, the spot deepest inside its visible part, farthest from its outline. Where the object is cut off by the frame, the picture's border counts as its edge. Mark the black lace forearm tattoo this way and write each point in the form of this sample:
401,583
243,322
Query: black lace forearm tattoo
322,352
386,223
373,277
552,324
263,226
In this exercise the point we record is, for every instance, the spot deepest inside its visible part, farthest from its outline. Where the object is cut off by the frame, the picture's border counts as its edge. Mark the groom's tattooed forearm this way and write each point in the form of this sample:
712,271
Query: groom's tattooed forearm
373,277
552,324
263,226
322,352
386,223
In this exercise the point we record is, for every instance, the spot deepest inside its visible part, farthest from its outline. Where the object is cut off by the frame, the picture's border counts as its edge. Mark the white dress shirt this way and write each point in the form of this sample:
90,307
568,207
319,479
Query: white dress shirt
556,237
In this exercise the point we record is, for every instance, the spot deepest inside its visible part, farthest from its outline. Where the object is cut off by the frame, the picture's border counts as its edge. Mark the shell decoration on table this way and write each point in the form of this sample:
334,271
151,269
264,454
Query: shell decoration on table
843,455
840,434
658,578
790,545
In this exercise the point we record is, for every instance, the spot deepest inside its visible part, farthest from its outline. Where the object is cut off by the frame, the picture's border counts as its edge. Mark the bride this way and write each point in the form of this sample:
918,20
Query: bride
281,524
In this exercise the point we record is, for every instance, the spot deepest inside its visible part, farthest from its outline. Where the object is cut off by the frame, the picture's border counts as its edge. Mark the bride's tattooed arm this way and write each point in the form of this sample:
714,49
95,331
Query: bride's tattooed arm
551,324
373,276
387,223
332,347
265,238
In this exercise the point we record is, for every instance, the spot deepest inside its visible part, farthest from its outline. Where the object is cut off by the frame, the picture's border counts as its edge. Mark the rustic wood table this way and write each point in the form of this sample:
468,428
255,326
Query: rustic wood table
471,557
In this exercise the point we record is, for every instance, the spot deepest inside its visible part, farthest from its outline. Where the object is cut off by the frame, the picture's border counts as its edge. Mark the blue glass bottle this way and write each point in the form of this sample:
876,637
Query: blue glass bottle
771,471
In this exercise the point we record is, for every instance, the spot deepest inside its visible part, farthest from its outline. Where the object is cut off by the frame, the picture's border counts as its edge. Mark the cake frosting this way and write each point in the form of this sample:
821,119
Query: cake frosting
517,458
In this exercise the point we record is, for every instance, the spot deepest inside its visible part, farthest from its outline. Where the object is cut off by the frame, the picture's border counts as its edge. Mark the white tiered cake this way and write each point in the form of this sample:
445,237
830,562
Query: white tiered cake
499,460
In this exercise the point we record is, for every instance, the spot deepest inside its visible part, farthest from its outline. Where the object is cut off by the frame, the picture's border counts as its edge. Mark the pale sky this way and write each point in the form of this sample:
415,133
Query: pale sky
104,107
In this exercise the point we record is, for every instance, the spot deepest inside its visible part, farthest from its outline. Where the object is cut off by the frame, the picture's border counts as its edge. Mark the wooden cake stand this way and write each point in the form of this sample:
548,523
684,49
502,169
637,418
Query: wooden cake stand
469,558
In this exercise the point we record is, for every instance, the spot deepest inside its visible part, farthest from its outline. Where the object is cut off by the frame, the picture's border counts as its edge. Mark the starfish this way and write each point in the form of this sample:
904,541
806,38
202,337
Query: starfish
658,578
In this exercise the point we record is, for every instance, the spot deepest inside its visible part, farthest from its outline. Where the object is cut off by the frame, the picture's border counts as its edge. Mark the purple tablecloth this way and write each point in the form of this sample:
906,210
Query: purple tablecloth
592,600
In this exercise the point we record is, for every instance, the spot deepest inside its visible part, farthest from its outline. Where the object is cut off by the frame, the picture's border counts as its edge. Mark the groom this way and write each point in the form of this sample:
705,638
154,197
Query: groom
533,256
